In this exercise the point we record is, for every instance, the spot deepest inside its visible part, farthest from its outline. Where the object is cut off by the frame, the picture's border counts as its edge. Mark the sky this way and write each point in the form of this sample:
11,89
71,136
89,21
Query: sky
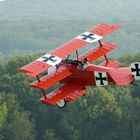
77,12
73,9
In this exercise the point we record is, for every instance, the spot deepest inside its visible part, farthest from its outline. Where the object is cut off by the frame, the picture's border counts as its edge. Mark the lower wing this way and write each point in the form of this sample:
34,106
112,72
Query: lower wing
69,92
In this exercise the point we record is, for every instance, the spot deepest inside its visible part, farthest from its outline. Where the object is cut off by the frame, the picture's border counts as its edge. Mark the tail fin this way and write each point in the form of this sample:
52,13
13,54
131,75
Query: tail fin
135,70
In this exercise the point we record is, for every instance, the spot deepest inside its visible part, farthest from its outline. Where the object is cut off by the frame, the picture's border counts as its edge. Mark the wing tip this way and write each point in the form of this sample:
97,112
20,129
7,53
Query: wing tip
116,26
23,70
27,72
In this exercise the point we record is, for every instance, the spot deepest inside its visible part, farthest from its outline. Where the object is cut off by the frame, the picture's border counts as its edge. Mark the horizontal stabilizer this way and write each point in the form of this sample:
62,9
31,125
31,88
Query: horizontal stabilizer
121,76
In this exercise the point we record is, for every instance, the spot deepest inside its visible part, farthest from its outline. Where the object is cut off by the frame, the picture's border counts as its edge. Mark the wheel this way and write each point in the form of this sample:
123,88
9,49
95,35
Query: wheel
61,103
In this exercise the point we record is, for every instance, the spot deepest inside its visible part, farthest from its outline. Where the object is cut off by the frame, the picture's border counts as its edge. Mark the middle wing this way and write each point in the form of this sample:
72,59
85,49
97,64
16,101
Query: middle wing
52,78
54,57
97,52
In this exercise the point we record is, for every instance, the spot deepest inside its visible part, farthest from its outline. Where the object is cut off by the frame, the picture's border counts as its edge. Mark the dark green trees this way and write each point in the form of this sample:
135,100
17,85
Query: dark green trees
110,113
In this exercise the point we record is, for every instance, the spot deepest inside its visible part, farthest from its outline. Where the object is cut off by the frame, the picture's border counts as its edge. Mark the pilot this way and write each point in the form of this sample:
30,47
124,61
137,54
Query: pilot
83,65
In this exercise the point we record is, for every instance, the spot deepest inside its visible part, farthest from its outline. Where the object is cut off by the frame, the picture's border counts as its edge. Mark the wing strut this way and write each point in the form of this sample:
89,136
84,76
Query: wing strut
44,93
106,59
38,79
77,55
42,90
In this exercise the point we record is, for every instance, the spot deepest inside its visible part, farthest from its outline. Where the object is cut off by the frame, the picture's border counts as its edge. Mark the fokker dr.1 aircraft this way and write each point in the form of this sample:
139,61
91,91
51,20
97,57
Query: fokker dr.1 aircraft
74,75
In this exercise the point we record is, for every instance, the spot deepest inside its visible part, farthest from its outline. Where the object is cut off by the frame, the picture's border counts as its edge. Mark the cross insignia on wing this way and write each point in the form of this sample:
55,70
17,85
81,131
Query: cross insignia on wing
89,37
50,59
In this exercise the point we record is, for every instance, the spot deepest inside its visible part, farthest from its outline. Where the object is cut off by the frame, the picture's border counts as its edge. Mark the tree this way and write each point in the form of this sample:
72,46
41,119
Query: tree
95,116
110,113
3,111
3,114
22,128
50,135
18,123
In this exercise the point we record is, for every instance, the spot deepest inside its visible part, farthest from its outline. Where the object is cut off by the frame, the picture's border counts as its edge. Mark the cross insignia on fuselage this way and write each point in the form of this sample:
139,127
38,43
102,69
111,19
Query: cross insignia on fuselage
101,78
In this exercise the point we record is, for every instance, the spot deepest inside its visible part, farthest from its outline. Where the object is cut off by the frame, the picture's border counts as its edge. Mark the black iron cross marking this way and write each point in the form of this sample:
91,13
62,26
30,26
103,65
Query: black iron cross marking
50,58
136,69
90,36
101,78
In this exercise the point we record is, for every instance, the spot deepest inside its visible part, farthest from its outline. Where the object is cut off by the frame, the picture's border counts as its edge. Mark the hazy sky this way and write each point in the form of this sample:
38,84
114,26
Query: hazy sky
72,9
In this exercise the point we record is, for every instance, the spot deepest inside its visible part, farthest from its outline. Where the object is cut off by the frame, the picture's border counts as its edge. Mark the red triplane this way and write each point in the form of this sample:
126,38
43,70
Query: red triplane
76,74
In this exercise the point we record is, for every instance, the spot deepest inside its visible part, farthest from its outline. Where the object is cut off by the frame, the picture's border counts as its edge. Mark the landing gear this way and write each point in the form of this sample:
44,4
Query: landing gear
61,103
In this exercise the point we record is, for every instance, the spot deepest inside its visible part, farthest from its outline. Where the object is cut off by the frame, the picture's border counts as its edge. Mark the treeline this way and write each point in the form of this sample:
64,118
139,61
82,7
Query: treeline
20,37
111,113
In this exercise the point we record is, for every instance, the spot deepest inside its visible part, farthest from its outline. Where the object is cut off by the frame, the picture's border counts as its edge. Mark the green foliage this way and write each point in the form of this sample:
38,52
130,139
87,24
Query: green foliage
50,135
3,115
104,113
110,113
3,111
98,111
18,123
129,58
21,127
32,37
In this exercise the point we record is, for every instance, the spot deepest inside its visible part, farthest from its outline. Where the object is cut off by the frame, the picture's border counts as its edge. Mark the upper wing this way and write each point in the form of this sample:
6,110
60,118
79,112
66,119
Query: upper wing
54,57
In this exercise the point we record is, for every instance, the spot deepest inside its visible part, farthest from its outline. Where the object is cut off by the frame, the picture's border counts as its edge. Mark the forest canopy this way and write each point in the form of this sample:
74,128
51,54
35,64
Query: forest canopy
31,28
110,113
32,37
